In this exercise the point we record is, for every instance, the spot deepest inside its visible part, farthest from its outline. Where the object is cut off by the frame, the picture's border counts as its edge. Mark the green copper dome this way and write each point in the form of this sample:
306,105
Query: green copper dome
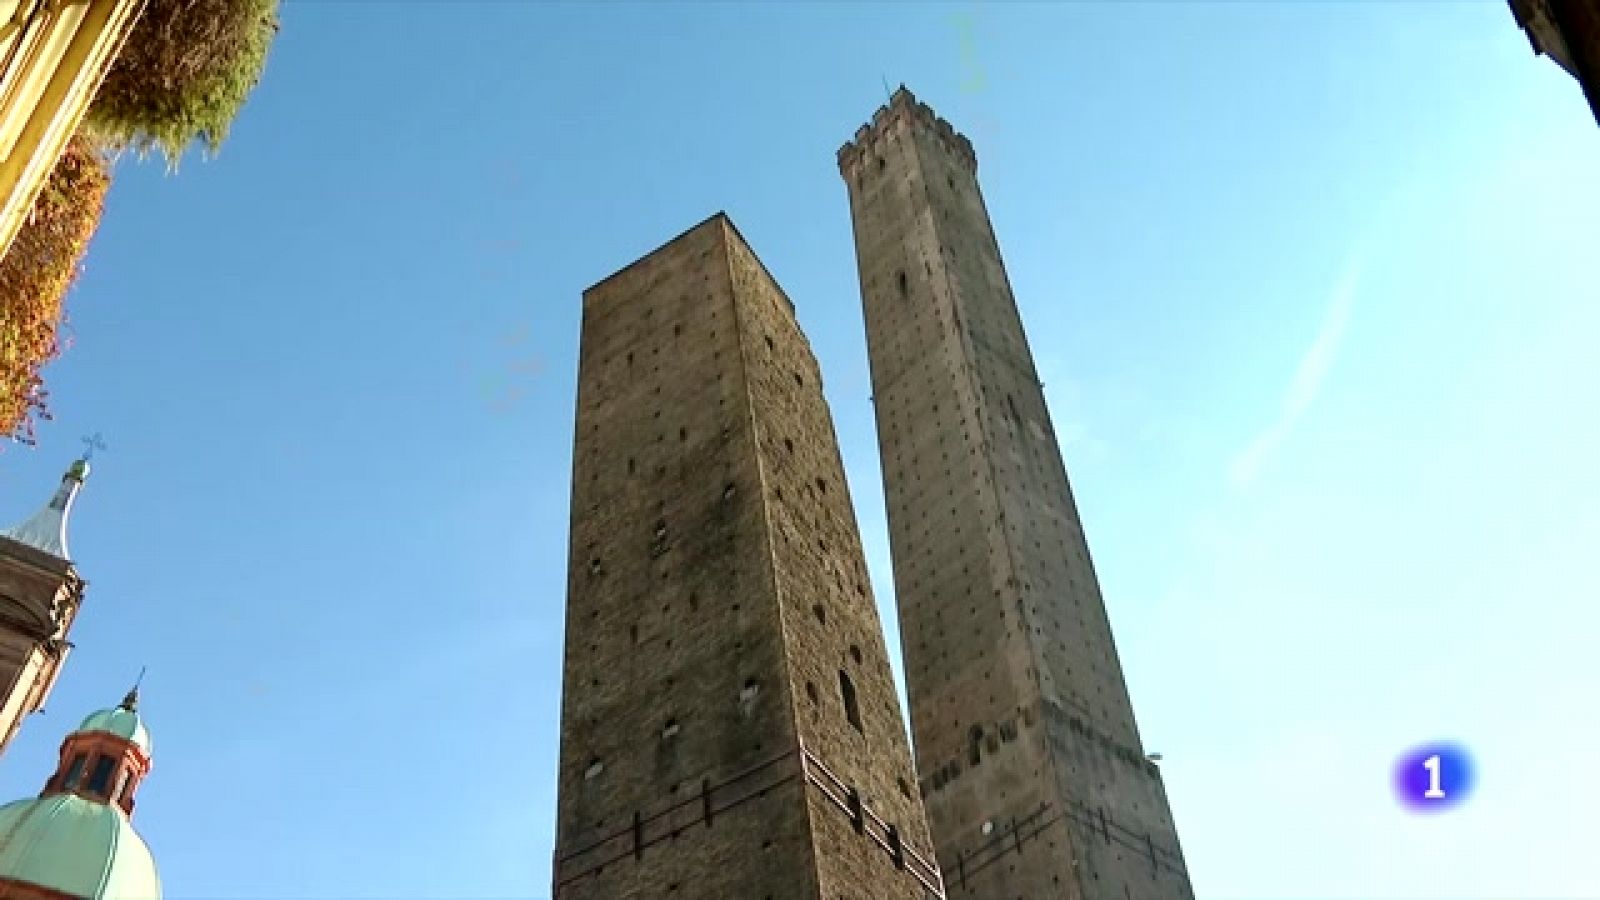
80,848
120,721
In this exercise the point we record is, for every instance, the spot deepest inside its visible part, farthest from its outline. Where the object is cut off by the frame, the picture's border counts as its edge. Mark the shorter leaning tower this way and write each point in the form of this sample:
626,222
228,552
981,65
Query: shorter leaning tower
729,722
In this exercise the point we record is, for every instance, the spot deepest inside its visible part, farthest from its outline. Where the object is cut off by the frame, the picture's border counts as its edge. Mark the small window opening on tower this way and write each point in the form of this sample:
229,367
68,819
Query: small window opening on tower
74,772
822,485
747,698
670,729
769,342
100,778
594,770
847,691
855,654
881,164
811,693
900,278
975,745
821,613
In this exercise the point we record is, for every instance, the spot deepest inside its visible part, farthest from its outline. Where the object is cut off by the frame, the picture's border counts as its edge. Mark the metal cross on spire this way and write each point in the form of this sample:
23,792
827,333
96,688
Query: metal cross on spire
91,443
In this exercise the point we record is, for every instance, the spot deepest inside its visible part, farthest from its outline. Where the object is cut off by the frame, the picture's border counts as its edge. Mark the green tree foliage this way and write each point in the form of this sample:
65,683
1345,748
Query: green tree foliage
185,71
183,75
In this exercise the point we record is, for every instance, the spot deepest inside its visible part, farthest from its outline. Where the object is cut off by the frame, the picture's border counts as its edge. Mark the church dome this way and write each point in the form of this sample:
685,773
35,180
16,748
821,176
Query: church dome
120,721
75,839
76,846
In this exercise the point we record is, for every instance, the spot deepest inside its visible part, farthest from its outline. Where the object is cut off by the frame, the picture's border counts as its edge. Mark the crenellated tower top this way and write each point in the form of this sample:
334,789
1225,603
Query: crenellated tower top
903,111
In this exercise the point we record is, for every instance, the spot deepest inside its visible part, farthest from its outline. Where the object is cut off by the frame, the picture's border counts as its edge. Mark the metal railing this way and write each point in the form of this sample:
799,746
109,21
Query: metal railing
702,808
1095,822
867,822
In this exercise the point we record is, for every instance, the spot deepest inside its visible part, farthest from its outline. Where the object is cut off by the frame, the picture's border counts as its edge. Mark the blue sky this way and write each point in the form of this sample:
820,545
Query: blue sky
1311,287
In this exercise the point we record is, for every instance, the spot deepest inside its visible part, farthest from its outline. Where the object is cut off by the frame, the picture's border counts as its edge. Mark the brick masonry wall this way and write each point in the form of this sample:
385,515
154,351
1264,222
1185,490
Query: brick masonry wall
697,557
831,630
1004,631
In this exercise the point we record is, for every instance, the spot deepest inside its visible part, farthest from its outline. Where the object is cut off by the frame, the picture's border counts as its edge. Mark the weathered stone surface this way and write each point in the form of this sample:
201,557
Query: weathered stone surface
39,599
718,609
1030,763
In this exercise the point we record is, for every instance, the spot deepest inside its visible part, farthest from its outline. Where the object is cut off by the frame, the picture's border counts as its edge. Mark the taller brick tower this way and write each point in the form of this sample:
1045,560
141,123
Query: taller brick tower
729,722
1031,768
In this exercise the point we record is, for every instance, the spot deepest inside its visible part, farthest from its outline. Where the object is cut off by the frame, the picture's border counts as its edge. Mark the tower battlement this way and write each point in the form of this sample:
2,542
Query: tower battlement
903,109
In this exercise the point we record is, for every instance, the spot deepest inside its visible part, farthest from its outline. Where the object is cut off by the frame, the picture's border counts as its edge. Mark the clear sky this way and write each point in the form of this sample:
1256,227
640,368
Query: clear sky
1311,285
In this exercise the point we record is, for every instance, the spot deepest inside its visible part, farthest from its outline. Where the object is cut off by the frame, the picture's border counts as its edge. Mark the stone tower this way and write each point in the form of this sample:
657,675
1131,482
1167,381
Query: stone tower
40,593
729,722
1030,764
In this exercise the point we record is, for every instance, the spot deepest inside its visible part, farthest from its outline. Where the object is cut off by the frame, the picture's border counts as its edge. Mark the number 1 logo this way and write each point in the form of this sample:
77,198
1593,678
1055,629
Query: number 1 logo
1434,791
1434,777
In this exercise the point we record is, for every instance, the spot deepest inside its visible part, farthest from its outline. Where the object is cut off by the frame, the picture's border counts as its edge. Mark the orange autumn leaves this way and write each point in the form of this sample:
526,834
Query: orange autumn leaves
183,74
35,273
